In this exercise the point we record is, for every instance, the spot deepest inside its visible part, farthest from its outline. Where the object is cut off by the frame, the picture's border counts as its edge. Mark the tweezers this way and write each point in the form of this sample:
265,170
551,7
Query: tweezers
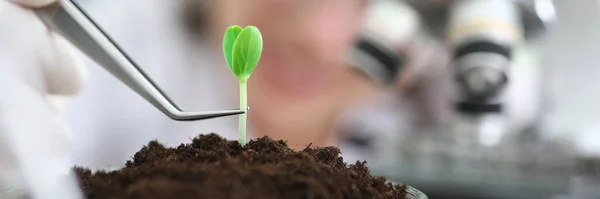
70,20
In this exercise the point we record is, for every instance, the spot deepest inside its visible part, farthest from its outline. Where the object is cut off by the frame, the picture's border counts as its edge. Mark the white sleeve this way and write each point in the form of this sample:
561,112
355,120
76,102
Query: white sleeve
27,37
32,137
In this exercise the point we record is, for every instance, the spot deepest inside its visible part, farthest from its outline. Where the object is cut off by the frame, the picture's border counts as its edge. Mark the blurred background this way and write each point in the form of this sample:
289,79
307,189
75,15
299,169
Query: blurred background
458,98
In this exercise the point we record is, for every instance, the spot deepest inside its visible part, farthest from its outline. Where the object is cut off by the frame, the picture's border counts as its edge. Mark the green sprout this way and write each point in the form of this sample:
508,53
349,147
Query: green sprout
242,48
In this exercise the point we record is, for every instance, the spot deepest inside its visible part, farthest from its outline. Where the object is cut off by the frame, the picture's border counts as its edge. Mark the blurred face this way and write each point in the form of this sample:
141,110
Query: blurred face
301,81
305,41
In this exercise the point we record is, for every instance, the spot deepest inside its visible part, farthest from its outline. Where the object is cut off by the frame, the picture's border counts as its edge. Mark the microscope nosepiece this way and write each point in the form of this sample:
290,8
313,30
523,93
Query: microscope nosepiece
481,83
481,69
376,60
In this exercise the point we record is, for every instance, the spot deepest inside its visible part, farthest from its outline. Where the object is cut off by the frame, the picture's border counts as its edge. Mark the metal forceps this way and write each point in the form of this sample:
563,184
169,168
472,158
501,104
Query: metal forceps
70,20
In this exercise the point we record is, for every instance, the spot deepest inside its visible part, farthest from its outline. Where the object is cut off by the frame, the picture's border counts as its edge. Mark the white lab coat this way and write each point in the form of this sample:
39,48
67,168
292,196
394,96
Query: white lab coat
110,122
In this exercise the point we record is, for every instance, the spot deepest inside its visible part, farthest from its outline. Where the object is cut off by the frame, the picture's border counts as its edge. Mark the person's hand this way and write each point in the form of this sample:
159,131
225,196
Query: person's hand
36,67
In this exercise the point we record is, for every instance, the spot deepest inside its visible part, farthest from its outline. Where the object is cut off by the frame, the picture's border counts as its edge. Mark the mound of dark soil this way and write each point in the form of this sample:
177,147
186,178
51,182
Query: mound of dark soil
214,168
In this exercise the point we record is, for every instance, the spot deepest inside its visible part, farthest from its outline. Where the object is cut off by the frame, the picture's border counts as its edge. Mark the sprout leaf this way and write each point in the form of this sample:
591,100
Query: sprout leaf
228,40
247,50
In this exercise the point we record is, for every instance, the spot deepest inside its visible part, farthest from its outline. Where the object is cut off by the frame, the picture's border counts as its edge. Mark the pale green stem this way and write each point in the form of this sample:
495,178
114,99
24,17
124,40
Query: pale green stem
243,105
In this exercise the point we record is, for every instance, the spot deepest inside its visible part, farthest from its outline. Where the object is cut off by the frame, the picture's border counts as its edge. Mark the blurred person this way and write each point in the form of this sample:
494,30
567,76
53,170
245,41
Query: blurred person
295,93
303,80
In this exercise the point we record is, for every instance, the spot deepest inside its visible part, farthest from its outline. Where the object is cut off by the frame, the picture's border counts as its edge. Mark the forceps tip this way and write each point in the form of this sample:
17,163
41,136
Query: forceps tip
193,116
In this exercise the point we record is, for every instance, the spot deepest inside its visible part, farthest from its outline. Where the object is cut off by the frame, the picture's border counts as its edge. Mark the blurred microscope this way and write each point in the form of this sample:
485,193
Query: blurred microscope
464,96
